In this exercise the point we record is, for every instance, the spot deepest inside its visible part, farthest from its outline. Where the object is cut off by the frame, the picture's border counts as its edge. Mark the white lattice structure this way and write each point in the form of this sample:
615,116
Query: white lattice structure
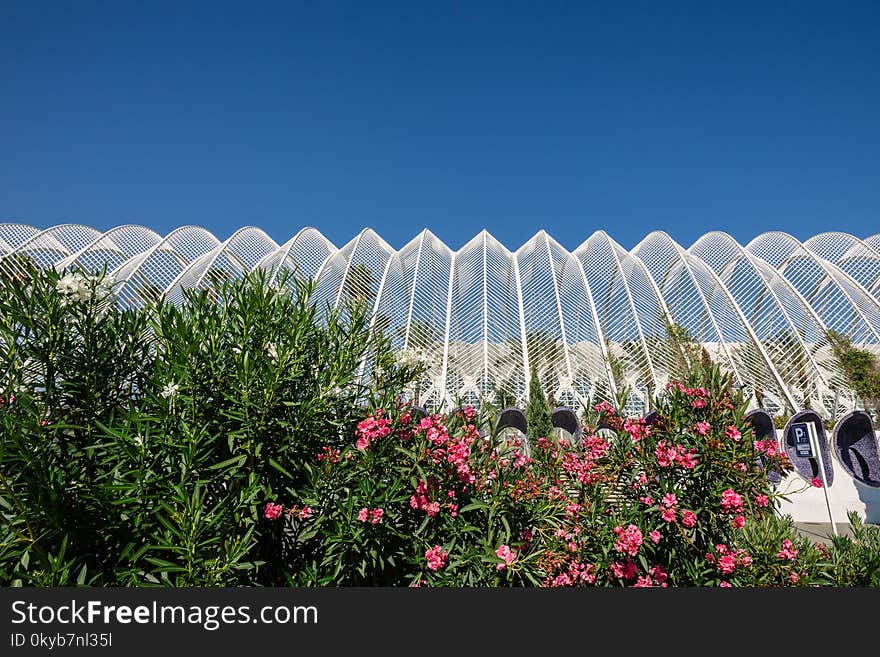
589,321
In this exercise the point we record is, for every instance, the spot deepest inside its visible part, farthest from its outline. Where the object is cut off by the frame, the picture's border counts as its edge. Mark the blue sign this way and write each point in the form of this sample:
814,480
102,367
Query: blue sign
801,433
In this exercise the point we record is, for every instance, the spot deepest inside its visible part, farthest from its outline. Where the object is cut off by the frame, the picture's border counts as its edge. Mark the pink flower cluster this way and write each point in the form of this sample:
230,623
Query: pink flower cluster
702,428
302,513
436,557
581,468
733,433
636,428
329,454
434,428
372,428
507,555
373,516
787,552
769,447
421,500
623,570
628,540
731,501
727,560
577,573
667,455
690,392
273,511
596,447
668,506
603,407
659,578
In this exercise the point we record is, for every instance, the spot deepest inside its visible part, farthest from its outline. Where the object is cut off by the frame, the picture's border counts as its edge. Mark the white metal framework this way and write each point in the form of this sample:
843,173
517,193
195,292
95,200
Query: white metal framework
588,321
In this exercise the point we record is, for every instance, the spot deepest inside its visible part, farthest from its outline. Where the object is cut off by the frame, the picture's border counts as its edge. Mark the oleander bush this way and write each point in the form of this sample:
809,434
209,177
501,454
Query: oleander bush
250,436
137,444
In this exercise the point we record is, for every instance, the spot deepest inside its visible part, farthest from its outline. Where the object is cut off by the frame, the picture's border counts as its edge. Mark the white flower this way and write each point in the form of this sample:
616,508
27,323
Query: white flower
170,390
272,350
408,358
68,284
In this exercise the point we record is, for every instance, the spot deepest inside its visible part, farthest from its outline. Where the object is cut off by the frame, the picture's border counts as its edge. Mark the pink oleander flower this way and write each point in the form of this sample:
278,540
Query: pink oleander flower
733,433
376,516
699,402
364,514
436,557
686,459
702,428
628,540
762,500
816,482
794,577
669,500
727,564
509,556
665,454
660,576
329,454
654,536
787,553
725,585
668,515
688,519
731,502
362,443
636,428
643,582
272,511
626,570
738,522
306,512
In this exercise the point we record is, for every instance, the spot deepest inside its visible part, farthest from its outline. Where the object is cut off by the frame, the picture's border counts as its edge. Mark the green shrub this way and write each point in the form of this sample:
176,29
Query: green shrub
139,445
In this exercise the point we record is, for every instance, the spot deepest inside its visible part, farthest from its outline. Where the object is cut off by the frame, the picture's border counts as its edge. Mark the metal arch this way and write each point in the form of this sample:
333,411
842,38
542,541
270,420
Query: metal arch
5,230
854,243
224,249
66,262
636,258
750,331
600,334
47,232
138,261
679,251
282,253
638,324
412,296
208,258
522,328
355,246
751,260
444,393
565,347
829,276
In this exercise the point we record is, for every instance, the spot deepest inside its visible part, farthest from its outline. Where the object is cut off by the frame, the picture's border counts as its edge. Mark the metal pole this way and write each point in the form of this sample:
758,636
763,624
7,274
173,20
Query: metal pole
814,438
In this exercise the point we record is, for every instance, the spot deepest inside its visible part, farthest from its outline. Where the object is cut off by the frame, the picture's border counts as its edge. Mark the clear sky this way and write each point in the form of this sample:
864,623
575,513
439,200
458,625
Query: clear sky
455,116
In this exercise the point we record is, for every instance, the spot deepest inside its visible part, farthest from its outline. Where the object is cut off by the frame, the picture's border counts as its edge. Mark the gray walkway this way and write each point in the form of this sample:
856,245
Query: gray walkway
821,531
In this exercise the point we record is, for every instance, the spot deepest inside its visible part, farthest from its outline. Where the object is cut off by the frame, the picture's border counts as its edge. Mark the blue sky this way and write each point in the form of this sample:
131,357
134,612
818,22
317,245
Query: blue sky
455,116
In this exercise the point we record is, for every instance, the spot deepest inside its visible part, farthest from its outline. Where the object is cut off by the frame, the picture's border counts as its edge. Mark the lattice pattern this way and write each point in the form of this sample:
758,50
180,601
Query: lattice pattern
588,322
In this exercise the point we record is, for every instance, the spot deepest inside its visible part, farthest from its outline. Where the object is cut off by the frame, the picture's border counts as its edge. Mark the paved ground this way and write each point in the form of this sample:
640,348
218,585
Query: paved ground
821,531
